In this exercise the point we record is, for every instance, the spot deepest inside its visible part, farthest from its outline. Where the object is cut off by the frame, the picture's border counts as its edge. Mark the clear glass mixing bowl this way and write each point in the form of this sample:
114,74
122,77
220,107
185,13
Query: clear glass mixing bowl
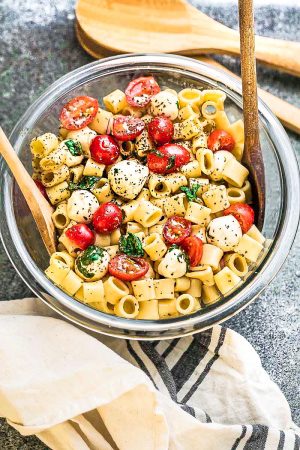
25,248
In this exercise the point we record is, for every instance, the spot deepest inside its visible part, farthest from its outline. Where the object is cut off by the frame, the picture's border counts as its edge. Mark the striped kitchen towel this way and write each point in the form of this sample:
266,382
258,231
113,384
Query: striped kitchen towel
77,392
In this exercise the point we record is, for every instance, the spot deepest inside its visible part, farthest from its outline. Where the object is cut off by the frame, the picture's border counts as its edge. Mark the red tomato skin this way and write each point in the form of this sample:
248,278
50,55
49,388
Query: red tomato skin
193,246
104,149
161,130
176,229
117,267
81,235
42,189
73,115
159,164
243,213
107,218
126,128
220,140
139,91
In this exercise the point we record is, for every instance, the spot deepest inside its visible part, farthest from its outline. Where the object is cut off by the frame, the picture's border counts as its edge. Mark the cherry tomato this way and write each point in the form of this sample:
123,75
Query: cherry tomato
42,189
161,130
139,91
193,246
168,158
79,112
243,213
176,229
220,140
127,268
104,149
81,235
107,218
126,128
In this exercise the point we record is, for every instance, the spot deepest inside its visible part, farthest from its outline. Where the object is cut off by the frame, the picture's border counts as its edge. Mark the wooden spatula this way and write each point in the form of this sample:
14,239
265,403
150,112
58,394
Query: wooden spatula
252,157
287,113
172,26
38,205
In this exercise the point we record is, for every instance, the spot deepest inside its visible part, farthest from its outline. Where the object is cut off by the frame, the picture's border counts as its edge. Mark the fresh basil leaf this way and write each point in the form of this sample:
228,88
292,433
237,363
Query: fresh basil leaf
191,193
91,254
131,245
158,153
86,183
74,147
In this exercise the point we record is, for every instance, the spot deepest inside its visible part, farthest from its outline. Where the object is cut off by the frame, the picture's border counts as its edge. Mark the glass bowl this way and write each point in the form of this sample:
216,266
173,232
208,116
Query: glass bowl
26,250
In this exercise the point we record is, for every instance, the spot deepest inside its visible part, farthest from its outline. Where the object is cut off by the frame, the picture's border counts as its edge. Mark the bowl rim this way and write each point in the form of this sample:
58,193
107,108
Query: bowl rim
90,318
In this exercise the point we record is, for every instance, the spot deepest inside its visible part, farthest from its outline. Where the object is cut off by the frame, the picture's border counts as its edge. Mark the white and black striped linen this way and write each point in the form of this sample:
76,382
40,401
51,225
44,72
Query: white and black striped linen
208,376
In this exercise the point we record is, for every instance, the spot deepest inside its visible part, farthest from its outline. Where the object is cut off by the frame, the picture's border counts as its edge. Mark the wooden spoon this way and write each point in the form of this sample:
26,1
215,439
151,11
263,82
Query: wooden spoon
173,26
252,157
38,205
287,113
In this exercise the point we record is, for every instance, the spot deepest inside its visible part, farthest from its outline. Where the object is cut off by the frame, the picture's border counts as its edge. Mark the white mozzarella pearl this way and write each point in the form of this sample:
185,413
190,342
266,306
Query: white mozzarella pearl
95,269
224,232
164,104
127,178
221,157
173,265
81,206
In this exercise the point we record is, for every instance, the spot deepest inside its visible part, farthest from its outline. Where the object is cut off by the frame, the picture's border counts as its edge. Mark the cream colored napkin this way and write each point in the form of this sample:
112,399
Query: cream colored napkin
75,393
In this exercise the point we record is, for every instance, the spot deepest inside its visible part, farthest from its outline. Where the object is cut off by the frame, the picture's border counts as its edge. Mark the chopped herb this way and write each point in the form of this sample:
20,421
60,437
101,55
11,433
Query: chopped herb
158,153
173,247
131,245
74,147
85,183
191,193
91,254
177,103
171,162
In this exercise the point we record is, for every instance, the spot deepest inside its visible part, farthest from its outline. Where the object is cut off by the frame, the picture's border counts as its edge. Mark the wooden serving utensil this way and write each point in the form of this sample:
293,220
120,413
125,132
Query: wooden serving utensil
252,156
172,26
38,205
287,113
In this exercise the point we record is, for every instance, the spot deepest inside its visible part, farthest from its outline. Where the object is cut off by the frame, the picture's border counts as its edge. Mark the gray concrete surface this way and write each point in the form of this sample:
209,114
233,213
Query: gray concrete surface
39,46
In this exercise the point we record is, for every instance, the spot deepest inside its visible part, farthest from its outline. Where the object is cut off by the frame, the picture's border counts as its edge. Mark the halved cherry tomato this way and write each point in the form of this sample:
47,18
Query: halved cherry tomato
243,213
161,130
107,218
176,229
127,268
139,91
104,149
42,189
220,140
81,235
79,112
126,128
168,158
193,246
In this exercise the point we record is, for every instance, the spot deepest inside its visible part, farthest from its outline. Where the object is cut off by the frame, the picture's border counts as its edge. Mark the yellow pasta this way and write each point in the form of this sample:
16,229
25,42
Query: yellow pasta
114,290
143,290
182,284
148,310
43,145
115,101
249,248
60,216
204,274
191,97
211,256
101,121
154,246
64,257
186,304
226,280
127,307
235,173
198,214
93,169
147,214
237,263
71,283
58,193
210,295
206,161
176,205
159,186
167,308
216,198
164,288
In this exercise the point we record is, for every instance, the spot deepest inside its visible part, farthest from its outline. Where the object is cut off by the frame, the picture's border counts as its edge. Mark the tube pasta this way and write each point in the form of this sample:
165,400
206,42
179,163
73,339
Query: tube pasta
235,173
186,112
164,288
249,248
182,284
102,191
176,205
60,216
237,263
200,232
129,210
185,304
191,97
226,280
84,137
187,129
143,144
147,214
148,310
115,101
198,214
64,257
76,173
205,157
210,295
236,195
215,95
42,145
199,141
167,308
58,193
93,169
115,236
176,181
204,274
195,288
53,177
114,290
143,290
53,160
93,292
71,283
159,186
127,307
191,169
209,109
57,271
216,198
102,240
255,234
101,121
154,246
211,256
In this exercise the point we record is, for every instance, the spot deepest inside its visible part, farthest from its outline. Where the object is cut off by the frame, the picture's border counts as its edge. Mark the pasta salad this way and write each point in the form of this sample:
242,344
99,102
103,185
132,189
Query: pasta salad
152,205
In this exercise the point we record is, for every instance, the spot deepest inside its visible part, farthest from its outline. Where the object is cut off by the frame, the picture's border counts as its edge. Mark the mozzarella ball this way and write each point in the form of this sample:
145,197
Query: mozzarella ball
81,206
224,232
164,103
173,265
127,178
92,263
220,157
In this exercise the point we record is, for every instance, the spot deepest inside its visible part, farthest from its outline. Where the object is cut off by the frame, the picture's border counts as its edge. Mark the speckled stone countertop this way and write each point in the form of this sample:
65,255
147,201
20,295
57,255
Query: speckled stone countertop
38,47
